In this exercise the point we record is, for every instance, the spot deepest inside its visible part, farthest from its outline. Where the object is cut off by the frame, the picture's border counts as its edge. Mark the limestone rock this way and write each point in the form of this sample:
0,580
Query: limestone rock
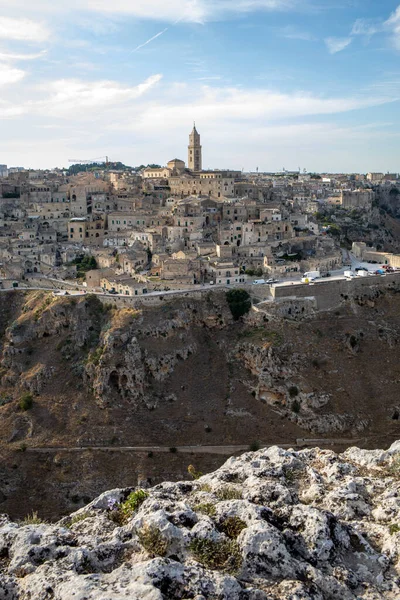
270,525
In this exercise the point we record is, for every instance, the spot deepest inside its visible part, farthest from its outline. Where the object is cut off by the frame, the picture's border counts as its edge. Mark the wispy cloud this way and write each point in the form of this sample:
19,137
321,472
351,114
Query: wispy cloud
193,11
9,56
366,27
335,44
391,27
291,32
23,30
149,40
9,75
393,23
68,95
211,77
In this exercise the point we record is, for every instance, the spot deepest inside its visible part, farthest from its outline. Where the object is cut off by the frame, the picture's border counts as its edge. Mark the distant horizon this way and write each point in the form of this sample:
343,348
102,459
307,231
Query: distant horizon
259,172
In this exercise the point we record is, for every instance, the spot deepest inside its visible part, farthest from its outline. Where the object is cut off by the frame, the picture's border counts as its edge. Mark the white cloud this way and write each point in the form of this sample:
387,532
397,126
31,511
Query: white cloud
9,75
9,56
393,23
67,96
184,10
291,32
23,30
237,125
335,44
394,18
391,26
366,27
227,109
194,11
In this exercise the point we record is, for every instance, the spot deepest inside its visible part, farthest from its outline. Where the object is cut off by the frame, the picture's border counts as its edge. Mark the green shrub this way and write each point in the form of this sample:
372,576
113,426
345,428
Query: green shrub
193,473
4,400
32,519
79,518
206,508
26,401
229,493
132,503
205,487
232,526
95,356
173,450
153,541
296,406
239,302
254,446
293,391
292,475
223,555
394,528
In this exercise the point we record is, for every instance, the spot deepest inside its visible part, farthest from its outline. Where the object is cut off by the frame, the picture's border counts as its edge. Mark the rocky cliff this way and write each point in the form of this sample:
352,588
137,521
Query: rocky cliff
93,396
270,525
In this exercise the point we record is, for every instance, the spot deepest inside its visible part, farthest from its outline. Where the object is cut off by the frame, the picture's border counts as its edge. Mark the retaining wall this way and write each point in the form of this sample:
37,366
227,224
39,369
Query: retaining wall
330,293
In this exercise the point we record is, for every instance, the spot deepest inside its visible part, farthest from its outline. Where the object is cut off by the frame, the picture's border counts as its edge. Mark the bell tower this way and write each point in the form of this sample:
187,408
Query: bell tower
194,151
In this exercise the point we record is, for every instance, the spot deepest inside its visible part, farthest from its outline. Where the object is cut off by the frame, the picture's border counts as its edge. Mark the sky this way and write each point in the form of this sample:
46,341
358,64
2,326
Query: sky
310,84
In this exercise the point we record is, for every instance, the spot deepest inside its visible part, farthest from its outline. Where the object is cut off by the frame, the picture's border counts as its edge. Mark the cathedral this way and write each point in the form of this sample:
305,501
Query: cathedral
185,181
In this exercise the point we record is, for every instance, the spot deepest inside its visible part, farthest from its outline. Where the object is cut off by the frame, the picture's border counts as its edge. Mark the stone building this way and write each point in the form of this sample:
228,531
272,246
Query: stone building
84,230
357,199
364,253
207,183
194,151
226,272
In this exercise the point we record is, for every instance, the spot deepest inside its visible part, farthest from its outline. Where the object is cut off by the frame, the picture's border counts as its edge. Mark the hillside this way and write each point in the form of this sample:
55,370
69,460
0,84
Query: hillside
269,525
99,379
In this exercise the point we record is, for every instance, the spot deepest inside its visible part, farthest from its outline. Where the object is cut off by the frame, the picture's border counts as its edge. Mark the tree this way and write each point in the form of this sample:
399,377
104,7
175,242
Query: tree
239,302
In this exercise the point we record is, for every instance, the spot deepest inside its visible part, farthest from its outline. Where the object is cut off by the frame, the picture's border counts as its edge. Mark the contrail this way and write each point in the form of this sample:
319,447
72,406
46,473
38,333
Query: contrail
155,36
150,40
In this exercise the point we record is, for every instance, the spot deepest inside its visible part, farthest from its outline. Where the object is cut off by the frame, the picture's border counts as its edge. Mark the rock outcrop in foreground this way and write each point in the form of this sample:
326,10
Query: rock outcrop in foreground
269,525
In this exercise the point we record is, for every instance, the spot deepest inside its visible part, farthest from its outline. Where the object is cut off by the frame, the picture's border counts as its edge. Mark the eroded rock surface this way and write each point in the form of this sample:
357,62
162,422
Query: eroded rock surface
269,525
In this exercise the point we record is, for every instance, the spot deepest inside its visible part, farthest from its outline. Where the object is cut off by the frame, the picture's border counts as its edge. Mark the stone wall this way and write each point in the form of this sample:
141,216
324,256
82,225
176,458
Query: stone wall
329,294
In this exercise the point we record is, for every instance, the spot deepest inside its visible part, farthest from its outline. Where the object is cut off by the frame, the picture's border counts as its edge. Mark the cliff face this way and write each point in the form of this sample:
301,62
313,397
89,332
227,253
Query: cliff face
270,525
184,374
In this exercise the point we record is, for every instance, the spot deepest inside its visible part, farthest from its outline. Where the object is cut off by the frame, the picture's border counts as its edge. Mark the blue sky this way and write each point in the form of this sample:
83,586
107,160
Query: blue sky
270,83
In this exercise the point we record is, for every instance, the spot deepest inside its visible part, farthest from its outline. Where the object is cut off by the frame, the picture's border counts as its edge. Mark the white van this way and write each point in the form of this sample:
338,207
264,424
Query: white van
258,281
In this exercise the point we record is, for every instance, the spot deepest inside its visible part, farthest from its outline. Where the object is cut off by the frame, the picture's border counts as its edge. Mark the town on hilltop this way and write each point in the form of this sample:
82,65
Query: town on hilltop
128,231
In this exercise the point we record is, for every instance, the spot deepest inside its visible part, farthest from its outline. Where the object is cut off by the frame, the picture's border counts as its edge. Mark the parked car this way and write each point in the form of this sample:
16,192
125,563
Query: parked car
271,281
